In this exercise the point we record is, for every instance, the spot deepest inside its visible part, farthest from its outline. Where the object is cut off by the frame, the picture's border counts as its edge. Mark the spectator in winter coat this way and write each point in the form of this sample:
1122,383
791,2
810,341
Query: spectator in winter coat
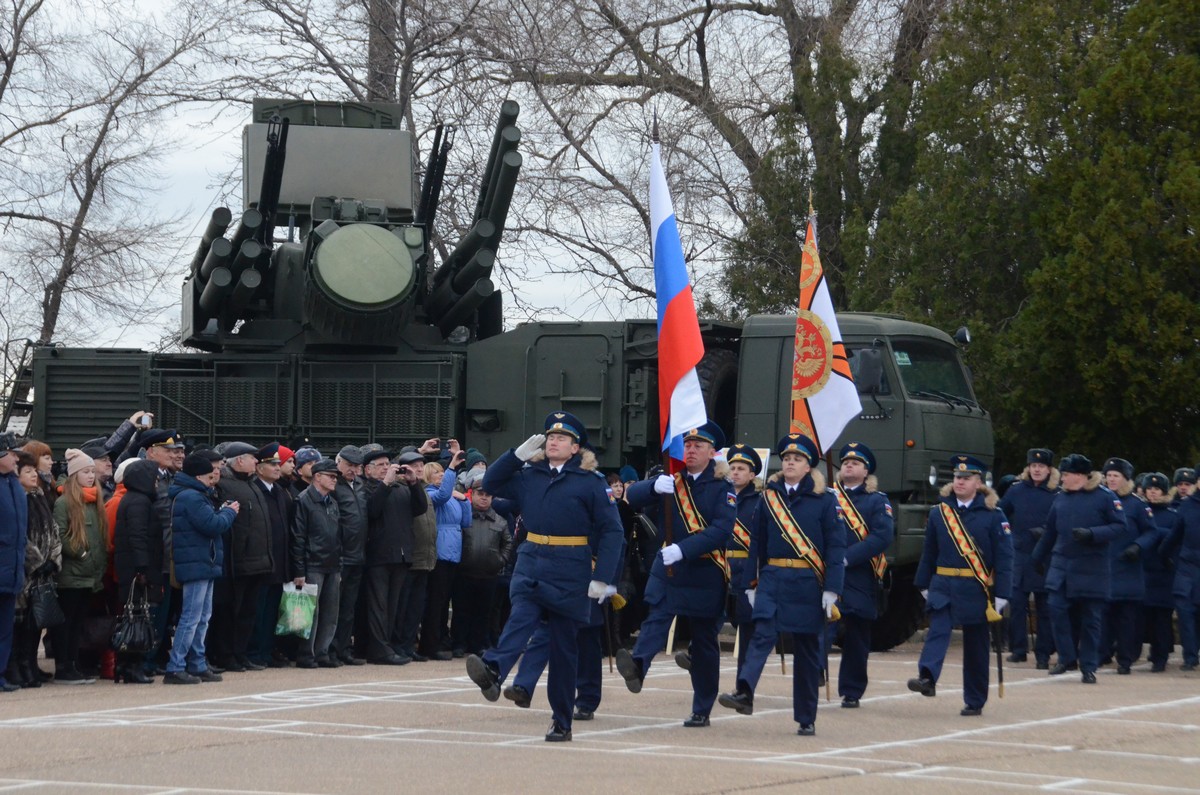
453,514
43,558
487,547
137,550
197,555
411,608
316,556
14,520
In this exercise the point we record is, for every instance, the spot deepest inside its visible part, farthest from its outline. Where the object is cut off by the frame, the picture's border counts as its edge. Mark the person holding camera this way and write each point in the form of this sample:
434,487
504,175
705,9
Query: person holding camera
395,497
453,516
197,556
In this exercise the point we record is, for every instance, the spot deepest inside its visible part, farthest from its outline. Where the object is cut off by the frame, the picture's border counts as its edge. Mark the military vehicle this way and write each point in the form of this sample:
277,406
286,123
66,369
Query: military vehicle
341,330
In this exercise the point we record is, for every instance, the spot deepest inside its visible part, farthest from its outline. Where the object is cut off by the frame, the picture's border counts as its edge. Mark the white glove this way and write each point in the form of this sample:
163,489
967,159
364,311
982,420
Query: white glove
1001,604
664,484
750,596
609,592
671,555
828,600
596,590
925,594
530,446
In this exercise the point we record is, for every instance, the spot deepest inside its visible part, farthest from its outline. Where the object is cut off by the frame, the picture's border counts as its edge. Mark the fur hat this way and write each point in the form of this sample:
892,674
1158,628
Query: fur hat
78,460
1075,463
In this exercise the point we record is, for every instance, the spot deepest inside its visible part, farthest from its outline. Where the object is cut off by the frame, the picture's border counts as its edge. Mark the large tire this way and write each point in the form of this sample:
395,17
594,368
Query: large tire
904,615
717,373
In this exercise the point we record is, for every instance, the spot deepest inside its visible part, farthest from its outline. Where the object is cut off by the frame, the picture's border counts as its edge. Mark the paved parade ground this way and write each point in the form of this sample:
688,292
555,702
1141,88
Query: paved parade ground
426,728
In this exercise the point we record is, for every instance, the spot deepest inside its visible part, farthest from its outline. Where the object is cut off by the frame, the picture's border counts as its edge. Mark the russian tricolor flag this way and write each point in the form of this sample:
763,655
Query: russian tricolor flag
680,347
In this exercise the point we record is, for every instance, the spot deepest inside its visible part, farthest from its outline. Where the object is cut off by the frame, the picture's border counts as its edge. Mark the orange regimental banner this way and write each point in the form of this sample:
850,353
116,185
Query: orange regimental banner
694,521
966,548
741,535
793,533
859,526
824,398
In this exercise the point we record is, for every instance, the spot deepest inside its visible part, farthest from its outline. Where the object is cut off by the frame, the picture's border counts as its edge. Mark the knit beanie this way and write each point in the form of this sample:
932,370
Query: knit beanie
78,460
119,475
196,465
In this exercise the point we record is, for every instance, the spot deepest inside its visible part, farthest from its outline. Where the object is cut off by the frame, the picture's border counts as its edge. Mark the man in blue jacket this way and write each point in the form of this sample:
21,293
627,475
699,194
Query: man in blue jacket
14,523
1183,547
796,571
703,511
870,527
570,518
745,466
1026,505
1160,576
965,575
1121,631
197,556
1084,518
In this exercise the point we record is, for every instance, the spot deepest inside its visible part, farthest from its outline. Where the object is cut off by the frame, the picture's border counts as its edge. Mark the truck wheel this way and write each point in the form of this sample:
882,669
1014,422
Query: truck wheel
904,614
717,373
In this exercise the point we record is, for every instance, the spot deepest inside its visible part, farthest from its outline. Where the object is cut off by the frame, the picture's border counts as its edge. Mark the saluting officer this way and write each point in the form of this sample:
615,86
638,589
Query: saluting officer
797,553
1160,576
703,512
1084,518
1121,630
868,516
965,575
1026,505
570,516
745,465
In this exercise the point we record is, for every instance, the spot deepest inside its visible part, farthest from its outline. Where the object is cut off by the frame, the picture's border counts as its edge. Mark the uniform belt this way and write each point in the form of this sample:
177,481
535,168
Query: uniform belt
789,563
557,541
737,553
947,571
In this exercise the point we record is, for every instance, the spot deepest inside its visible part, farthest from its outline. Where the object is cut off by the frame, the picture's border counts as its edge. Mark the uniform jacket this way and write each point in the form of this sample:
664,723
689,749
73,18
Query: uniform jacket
1128,577
748,500
487,545
1027,504
14,527
1081,569
248,548
861,590
989,528
81,568
574,502
792,596
137,535
697,586
1183,547
391,512
352,520
452,515
316,538
198,526
1160,578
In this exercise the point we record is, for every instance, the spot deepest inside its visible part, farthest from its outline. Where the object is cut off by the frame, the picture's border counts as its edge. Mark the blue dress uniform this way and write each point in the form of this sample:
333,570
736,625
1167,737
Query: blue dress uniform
1027,504
1121,633
788,591
697,586
1160,579
1078,531
589,672
955,596
571,517
860,596
1184,548
738,551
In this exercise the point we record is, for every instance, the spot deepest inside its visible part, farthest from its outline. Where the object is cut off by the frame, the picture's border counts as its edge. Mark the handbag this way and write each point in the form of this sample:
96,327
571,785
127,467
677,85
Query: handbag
134,631
43,604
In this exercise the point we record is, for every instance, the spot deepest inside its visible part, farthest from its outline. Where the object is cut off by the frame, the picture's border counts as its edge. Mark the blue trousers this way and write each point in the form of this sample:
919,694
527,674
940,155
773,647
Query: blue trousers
1187,631
1018,625
1157,621
8,607
706,654
187,650
806,667
1121,632
856,647
589,672
976,665
1090,612
523,623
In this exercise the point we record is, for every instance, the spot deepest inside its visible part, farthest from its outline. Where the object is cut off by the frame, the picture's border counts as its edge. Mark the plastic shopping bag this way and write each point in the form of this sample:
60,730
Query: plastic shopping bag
296,610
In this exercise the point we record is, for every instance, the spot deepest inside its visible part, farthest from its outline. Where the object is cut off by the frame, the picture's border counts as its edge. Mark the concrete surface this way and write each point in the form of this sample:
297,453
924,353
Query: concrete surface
426,728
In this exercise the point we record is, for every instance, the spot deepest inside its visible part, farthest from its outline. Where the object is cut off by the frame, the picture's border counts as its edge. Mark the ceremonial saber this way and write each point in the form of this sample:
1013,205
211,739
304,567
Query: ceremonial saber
996,641
608,636
782,656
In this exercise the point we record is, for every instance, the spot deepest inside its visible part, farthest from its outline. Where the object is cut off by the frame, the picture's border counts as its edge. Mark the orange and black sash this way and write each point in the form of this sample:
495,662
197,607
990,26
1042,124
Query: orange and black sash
967,548
694,521
741,535
859,526
793,533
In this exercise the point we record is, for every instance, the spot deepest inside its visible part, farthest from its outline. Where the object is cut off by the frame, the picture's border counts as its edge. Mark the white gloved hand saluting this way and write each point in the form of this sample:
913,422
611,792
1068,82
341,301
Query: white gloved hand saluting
671,555
664,484
530,447
1001,603
596,590
750,596
828,600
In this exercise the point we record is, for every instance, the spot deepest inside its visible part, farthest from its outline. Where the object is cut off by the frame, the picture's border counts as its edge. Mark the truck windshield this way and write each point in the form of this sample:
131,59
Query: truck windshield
931,369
